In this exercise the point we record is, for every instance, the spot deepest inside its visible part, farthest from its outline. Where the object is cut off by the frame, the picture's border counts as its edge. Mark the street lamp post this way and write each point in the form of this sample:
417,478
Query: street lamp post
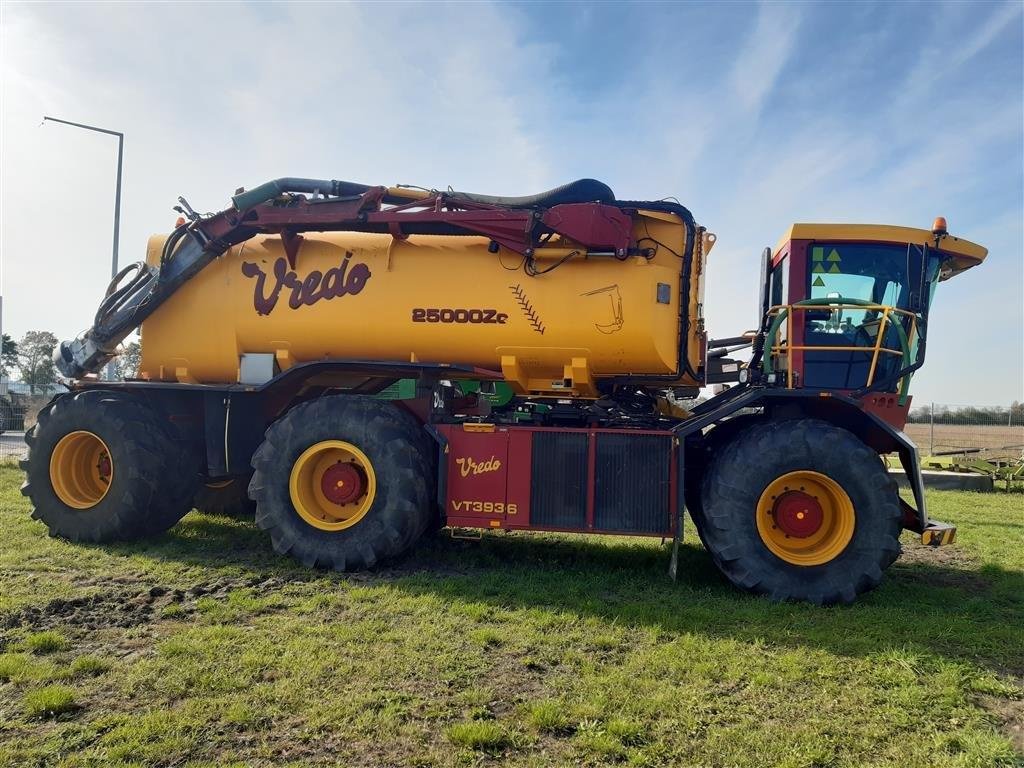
117,196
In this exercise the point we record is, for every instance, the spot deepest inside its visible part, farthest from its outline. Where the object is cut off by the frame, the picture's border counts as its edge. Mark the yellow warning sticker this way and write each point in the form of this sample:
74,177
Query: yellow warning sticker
817,253
818,268
834,268
818,282
834,255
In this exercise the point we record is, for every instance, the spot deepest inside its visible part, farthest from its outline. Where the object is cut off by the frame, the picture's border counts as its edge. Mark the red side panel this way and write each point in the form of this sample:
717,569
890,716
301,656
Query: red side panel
489,479
478,476
887,407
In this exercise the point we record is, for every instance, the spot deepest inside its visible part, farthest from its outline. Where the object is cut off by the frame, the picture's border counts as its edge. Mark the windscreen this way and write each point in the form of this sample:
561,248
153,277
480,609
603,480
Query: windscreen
874,273
894,275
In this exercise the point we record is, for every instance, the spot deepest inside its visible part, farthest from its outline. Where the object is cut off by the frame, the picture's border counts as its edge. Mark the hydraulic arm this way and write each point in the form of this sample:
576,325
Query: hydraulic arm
583,212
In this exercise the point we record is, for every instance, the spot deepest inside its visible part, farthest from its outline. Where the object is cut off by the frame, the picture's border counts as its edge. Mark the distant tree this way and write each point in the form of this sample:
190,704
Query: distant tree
35,360
8,355
919,415
127,362
971,415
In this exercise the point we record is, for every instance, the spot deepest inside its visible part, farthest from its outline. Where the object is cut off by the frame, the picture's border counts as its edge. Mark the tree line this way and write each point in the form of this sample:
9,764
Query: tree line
970,414
31,358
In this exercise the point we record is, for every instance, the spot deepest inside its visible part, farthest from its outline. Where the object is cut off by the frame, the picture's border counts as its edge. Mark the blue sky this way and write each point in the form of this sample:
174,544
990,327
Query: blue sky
753,115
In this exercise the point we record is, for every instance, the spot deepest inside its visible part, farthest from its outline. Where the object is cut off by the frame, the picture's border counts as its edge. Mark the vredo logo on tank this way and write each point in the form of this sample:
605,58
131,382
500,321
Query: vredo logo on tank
468,466
343,280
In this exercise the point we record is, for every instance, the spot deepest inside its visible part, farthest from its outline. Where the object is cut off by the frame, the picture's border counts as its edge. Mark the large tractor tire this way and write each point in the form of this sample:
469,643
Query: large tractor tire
343,482
229,498
700,455
800,510
103,467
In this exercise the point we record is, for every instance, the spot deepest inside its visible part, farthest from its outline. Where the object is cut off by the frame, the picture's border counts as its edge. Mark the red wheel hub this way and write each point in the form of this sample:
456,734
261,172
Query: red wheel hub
798,514
342,483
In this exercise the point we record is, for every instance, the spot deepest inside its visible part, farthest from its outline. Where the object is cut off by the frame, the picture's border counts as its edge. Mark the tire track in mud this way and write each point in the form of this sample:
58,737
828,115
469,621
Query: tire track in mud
122,608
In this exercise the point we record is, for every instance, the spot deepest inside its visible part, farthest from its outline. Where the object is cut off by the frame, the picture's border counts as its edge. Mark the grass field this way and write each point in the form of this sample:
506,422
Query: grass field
204,648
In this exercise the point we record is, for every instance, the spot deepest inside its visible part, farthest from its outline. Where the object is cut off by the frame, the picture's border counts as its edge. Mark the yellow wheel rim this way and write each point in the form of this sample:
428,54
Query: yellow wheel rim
332,485
81,469
805,518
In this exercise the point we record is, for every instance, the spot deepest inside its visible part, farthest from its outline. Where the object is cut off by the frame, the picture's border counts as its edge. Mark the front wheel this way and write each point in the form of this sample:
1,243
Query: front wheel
342,482
801,510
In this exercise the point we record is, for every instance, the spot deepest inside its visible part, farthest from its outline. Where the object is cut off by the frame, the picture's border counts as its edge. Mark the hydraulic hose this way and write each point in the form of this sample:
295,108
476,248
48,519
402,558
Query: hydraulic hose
278,187
186,251
118,294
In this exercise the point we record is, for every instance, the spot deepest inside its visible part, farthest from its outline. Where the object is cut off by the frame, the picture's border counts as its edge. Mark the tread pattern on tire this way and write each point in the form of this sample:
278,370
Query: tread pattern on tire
154,475
701,454
395,443
744,467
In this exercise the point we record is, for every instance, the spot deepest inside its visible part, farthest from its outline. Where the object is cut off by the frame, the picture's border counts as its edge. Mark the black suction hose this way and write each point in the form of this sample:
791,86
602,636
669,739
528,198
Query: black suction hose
272,189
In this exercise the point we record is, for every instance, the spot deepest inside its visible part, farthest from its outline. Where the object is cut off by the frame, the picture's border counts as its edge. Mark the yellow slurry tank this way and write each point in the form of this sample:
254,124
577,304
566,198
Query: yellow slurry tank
450,299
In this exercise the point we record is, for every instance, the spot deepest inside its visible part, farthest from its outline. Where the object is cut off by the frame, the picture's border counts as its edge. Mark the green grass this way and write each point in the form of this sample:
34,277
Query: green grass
478,735
549,716
51,701
88,666
45,642
205,648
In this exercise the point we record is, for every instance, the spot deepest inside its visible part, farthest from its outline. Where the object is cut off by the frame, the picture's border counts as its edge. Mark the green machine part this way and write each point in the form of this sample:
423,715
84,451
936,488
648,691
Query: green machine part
405,389
501,395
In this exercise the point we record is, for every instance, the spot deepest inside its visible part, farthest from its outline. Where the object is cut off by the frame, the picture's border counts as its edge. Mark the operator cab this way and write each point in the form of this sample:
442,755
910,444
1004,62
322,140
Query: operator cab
847,304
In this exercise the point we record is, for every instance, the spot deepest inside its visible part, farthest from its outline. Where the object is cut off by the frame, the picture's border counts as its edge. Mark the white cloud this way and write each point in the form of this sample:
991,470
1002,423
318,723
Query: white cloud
764,53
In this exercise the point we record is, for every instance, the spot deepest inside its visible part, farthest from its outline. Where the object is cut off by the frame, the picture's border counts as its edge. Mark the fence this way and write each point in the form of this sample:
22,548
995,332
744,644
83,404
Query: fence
13,415
17,413
948,430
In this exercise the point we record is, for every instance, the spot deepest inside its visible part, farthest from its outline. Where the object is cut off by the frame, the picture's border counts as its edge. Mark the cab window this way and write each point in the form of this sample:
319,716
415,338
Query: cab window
865,273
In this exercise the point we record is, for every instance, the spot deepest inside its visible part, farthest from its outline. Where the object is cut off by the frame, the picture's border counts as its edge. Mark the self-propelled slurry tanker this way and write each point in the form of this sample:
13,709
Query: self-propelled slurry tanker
362,364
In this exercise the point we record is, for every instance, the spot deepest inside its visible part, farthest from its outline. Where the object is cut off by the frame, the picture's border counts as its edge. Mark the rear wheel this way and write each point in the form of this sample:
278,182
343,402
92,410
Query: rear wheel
801,510
103,467
342,482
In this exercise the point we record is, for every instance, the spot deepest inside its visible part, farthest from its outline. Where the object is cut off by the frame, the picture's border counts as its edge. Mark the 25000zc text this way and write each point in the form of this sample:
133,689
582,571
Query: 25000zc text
449,315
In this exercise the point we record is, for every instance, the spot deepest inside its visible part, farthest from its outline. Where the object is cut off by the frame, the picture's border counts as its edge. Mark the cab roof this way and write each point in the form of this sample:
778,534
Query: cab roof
962,254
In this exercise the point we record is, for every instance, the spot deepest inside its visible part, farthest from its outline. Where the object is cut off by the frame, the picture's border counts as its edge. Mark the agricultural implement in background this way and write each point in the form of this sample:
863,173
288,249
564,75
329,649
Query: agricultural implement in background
1008,471
362,364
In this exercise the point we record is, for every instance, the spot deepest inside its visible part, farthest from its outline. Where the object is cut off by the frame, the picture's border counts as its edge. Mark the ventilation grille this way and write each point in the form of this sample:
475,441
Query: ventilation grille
632,491
558,496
